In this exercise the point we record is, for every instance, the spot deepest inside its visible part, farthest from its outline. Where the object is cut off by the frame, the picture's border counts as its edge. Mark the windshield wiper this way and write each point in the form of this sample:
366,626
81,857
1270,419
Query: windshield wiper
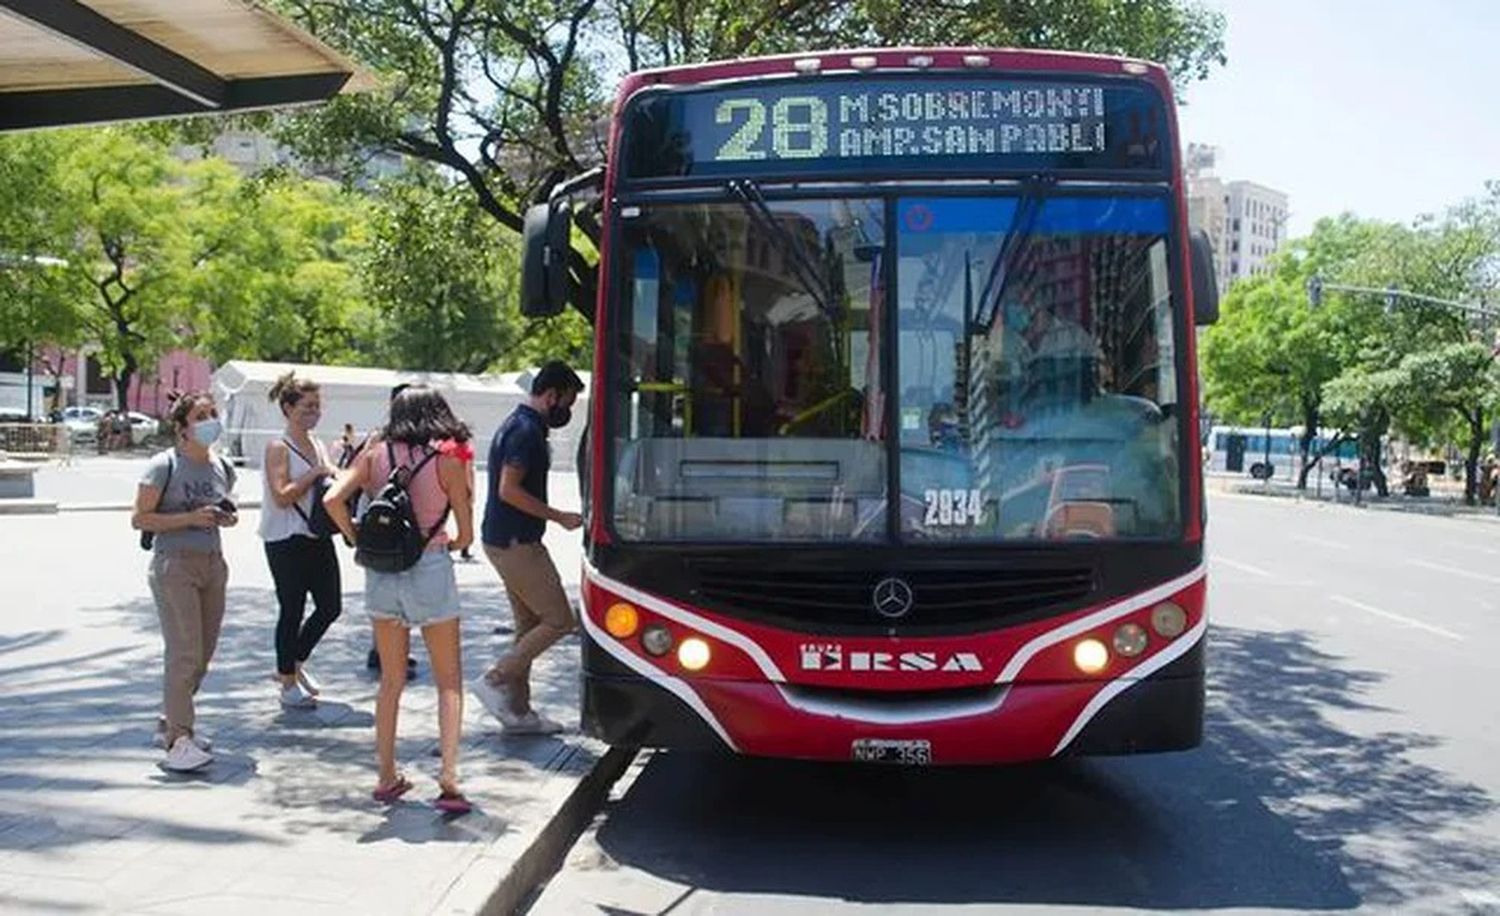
747,193
1034,193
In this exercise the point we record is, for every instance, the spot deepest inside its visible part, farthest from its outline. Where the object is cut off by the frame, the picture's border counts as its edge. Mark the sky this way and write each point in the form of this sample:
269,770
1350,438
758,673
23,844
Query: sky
1385,108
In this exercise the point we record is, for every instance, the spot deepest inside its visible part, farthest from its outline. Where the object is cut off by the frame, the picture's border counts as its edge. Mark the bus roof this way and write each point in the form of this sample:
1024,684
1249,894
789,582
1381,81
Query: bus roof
888,60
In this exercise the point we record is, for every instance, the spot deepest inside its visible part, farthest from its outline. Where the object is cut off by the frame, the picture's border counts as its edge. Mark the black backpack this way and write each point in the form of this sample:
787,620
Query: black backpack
319,523
389,538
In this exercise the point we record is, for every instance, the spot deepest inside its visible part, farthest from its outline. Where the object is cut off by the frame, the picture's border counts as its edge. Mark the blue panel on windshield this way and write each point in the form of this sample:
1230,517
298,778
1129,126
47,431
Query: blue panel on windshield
1110,215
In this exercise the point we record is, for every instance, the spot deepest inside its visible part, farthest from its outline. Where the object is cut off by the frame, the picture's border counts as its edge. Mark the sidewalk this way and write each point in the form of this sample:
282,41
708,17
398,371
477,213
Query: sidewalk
283,820
1416,505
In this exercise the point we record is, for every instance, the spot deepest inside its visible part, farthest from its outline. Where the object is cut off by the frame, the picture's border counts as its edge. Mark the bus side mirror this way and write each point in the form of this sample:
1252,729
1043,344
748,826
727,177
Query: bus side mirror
1205,281
544,259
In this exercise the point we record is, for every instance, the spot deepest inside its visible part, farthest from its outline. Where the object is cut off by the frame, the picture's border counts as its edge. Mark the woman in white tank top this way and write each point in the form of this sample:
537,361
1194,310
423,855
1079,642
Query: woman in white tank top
302,563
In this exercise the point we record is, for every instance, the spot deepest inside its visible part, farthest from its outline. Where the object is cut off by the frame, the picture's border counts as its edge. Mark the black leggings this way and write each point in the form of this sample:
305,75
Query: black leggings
302,565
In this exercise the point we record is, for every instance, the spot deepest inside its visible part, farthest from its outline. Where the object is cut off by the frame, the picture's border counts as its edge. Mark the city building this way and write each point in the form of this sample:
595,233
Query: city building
1245,221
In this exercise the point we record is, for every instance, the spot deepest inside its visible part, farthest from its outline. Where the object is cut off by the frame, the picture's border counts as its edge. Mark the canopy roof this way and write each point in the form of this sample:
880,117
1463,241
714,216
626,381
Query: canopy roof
86,61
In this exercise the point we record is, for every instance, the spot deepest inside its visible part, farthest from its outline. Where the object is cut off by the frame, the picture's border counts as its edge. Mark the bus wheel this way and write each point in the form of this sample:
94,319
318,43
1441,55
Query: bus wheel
1261,471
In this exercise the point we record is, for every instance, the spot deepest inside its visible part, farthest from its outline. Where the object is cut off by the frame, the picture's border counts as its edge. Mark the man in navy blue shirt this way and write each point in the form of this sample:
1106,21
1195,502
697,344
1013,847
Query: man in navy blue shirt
515,516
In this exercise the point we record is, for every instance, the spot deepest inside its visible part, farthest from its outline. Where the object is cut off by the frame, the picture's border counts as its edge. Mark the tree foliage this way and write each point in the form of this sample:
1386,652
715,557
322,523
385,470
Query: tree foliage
511,95
1355,363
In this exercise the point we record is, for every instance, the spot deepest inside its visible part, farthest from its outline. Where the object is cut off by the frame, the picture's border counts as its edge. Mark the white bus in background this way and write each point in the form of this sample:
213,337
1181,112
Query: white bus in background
1274,454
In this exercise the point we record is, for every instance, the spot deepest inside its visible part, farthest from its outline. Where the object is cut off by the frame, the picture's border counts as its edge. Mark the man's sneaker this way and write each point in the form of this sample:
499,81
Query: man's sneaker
186,757
495,699
294,697
159,740
308,682
534,723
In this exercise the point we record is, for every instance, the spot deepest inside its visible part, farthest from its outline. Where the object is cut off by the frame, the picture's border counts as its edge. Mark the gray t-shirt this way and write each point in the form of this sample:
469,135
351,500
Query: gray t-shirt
192,486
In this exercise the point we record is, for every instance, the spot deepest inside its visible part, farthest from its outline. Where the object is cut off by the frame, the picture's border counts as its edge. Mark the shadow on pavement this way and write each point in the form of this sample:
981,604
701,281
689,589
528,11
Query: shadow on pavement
76,753
1280,808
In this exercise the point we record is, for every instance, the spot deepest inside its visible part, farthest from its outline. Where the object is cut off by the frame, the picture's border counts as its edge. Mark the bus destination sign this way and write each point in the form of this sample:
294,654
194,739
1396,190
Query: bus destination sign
836,125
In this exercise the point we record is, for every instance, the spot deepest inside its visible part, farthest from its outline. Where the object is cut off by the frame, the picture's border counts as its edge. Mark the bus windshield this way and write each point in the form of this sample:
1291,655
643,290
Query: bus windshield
1031,340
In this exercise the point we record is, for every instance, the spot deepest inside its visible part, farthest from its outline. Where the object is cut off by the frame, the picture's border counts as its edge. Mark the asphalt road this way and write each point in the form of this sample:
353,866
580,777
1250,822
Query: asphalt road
1352,761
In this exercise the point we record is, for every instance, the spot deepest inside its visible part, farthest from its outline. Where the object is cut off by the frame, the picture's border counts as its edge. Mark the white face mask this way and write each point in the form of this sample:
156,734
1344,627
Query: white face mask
207,432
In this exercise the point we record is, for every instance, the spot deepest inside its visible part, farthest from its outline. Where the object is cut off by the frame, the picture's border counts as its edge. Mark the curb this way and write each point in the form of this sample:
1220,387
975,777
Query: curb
542,858
1437,511
504,877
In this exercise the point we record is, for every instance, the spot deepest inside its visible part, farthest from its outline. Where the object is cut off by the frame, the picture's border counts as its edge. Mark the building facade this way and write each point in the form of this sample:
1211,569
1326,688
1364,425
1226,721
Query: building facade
1244,220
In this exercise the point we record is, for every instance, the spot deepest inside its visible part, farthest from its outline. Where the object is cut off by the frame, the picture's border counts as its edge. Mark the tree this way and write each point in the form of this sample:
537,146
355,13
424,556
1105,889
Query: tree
508,94
141,223
1273,351
38,296
288,286
438,272
1456,382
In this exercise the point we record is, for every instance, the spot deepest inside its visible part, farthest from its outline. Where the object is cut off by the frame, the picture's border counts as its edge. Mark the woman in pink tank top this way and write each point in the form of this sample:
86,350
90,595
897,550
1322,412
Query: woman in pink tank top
425,595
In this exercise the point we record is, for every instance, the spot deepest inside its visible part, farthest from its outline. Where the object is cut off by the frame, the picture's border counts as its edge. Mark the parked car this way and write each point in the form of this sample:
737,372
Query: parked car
82,423
142,427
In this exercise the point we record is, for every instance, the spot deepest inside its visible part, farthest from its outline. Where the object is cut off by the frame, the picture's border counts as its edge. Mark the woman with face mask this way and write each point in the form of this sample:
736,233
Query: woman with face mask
182,502
299,548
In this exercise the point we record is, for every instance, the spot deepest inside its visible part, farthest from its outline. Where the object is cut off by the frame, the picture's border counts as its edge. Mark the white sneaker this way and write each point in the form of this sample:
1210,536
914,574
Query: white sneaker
495,700
186,757
534,723
309,683
294,697
159,740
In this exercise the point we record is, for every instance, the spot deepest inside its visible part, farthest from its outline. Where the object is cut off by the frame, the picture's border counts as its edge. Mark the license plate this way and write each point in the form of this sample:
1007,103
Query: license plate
885,750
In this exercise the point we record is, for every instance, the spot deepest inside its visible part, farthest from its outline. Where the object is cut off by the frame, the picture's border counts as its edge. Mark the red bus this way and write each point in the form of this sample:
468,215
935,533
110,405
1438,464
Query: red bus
893,437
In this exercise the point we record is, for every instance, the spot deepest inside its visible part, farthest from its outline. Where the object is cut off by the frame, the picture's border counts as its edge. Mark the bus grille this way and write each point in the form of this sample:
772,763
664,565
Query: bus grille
939,596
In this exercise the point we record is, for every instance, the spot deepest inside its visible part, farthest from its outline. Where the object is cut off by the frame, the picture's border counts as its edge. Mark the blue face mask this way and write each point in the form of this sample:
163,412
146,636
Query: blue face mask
207,432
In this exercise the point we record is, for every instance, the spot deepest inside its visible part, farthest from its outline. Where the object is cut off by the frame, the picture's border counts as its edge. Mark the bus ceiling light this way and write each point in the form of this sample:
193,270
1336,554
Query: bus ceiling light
976,61
807,64
1130,640
656,640
920,61
863,62
1090,656
693,654
1168,620
1138,69
622,620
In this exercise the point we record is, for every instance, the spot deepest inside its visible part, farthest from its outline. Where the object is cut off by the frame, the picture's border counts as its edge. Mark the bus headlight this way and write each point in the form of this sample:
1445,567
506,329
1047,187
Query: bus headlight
656,640
693,654
1090,656
1130,640
621,620
1168,620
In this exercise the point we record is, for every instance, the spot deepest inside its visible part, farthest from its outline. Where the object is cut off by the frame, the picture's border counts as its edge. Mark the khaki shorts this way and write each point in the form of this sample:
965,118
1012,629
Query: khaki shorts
535,590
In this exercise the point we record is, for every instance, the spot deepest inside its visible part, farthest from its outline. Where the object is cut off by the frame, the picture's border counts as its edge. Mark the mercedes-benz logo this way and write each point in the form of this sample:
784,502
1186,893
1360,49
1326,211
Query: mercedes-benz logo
892,597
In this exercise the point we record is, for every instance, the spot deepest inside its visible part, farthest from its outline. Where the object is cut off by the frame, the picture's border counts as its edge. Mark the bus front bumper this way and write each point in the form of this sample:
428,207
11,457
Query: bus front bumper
1011,724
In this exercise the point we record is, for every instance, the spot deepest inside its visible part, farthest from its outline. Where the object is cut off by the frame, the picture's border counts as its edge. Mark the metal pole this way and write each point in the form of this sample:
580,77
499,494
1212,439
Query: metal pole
30,360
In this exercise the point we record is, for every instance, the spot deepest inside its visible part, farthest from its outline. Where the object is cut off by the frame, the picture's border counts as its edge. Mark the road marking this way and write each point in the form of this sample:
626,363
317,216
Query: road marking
1243,567
1456,571
1321,542
1474,548
1406,621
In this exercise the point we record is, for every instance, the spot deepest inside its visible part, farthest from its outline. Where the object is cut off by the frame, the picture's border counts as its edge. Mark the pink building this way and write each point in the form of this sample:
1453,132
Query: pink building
178,370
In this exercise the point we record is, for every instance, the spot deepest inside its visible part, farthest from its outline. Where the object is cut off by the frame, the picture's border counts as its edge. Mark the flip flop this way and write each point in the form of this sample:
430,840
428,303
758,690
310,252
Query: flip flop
390,794
452,803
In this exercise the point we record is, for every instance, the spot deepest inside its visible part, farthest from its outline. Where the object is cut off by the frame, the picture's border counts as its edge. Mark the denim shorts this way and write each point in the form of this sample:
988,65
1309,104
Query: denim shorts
426,593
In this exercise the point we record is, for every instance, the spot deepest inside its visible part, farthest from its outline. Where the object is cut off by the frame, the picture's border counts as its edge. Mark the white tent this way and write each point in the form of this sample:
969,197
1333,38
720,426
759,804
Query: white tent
360,396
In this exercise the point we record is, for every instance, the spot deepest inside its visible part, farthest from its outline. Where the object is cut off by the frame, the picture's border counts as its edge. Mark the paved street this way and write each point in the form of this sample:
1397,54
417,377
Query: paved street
1352,762
283,819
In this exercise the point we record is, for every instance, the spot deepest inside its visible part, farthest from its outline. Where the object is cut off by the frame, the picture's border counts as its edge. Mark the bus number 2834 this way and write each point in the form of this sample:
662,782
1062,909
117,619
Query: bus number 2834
954,508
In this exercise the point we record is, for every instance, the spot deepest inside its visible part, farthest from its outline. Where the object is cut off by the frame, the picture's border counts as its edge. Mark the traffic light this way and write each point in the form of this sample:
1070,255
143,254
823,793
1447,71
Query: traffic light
1315,291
